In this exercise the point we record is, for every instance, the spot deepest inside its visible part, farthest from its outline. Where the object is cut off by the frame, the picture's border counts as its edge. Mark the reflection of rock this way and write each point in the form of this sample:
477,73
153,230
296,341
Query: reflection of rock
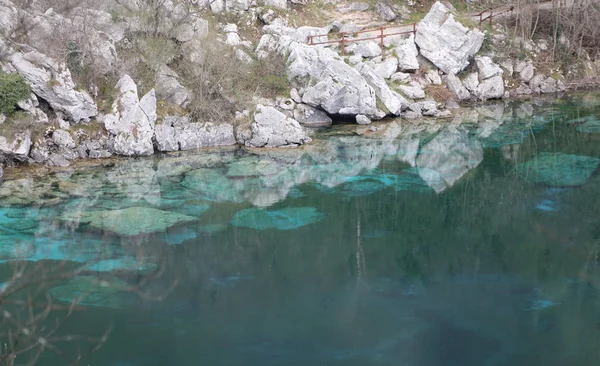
284,219
135,179
125,263
448,157
131,221
592,125
557,169
91,291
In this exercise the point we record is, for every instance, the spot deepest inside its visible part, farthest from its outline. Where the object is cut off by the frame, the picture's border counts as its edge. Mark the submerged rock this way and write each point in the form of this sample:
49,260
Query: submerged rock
213,185
558,169
131,221
126,263
91,291
284,219
592,125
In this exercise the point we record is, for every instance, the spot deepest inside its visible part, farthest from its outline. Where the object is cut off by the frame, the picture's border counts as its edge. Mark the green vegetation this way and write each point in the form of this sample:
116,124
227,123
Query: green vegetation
13,88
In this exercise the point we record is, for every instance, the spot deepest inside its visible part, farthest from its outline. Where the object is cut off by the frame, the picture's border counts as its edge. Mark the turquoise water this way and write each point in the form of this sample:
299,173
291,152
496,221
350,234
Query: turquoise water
397,244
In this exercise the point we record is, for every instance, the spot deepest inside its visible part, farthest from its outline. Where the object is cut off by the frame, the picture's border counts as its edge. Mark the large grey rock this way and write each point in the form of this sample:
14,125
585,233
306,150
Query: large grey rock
311,117
385,12
9,18
132,120
446,42
191,27
492,88
549,85
16,146
456,87
330,83
407,54
535,82
63,139
177,133
527,72
393,102
487,68
387,68
92,31
272,128
52,81
170,89
471,82
413,91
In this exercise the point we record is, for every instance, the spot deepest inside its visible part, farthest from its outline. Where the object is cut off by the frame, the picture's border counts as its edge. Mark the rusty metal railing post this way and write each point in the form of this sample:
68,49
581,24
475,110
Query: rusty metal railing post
343,41
381,31
415,29
491,16
310,39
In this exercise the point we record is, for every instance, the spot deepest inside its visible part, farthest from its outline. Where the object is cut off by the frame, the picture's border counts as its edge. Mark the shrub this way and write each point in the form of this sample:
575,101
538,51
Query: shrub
13,89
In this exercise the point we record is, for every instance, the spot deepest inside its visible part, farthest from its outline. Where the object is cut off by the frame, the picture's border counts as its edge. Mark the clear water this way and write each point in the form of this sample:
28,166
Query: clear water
415,245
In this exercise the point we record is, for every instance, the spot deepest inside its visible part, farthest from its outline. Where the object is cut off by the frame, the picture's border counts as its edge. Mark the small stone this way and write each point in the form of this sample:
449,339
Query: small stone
400,77
368,49
363,120
229,28
385,12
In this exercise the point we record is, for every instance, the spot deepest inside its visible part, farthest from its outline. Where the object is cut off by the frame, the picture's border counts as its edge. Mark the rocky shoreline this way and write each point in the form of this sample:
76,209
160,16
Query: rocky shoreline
425,75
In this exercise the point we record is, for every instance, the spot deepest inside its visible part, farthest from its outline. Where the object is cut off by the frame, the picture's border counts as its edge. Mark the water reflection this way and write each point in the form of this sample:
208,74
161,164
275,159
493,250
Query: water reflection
419,244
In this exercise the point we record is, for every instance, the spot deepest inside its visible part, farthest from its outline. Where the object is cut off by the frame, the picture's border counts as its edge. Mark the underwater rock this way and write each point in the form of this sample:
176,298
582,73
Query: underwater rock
542,304
592,125
284,219
362,187
126,263
558,169
546,206
91,291
251,166
213,185
131,221
11,249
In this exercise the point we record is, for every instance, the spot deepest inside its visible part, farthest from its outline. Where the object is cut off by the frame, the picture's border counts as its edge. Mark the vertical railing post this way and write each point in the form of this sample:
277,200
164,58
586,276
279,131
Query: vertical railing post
343,41
491,16
480,19
415,29
381,31
310,38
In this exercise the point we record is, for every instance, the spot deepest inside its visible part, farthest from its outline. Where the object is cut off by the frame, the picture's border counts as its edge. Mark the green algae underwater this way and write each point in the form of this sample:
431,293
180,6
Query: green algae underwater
420,244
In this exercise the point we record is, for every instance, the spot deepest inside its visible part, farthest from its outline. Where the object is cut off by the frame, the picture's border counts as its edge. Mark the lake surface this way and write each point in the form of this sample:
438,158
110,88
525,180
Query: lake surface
417,244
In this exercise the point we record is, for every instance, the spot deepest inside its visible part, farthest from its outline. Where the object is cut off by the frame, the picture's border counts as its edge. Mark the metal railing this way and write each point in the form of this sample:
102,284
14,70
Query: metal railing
490,15
345,40
485,16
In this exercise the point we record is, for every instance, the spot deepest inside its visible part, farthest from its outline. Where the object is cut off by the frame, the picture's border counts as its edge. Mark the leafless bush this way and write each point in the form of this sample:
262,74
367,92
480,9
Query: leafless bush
32,321
572,27
222,84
